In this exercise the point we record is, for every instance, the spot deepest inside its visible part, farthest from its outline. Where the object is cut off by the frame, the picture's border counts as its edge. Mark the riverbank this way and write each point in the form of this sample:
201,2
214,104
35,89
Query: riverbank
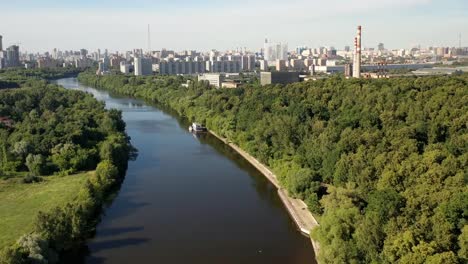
296,208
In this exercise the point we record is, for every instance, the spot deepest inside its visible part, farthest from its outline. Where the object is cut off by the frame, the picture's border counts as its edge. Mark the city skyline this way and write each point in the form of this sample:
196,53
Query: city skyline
205,25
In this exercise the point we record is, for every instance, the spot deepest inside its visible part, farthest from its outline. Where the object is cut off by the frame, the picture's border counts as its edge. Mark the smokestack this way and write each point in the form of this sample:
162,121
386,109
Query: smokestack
357,54
1,45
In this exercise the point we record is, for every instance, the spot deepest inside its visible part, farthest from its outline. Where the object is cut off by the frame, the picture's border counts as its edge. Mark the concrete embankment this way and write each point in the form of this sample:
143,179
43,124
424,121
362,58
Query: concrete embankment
303,218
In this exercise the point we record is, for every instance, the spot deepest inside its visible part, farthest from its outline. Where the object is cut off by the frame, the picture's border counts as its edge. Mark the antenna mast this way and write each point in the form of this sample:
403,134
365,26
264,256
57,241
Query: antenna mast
149,39
459,41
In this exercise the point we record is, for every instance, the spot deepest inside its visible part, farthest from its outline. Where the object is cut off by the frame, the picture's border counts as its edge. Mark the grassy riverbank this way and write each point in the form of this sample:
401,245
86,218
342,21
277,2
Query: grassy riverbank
20,203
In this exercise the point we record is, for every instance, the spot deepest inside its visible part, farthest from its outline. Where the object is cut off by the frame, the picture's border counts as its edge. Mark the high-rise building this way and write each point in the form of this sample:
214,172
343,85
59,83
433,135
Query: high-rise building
440,51
2,59
83,63
297,65
105,63
171,66
281,65
55,54
83,53
100,70
226,66
46,62
300,49
248,63
12,56
381,47
2,54
263,65
124,67
275,51
348,71
143,66
308,62
331,53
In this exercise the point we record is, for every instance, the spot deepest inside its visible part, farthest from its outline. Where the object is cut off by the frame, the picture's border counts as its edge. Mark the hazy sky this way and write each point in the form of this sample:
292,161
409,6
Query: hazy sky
41,25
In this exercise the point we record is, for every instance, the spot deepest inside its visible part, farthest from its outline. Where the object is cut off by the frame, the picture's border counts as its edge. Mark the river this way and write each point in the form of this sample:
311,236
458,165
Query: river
188,199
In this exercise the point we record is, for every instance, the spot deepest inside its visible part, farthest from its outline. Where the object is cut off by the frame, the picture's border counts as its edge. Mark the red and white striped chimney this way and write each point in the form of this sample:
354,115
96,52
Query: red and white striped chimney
357,54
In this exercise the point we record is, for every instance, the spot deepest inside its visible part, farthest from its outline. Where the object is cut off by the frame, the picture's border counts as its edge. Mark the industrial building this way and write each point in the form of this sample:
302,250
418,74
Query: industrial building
214,79
278,77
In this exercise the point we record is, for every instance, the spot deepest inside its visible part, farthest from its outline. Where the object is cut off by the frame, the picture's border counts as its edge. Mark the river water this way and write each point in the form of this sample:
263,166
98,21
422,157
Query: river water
188,199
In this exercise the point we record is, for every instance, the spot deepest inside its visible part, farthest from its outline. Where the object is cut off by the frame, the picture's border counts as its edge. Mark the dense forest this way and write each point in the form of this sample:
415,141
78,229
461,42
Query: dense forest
381,163
51,130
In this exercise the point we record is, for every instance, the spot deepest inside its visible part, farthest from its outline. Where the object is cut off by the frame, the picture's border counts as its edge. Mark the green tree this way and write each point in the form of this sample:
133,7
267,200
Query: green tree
21,148
36,164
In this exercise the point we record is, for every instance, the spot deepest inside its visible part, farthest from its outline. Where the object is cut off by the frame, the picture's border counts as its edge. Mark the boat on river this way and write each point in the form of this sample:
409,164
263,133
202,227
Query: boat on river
197,127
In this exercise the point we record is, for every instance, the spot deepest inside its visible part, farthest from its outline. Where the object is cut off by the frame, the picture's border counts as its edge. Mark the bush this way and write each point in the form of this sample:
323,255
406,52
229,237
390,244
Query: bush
32,179
106,175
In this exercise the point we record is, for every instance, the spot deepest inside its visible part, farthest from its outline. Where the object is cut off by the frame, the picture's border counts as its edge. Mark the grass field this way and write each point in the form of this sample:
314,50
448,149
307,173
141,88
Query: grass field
20,203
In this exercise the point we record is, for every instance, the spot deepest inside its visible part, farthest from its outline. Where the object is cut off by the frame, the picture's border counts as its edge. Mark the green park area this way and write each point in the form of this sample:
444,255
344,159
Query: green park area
20,203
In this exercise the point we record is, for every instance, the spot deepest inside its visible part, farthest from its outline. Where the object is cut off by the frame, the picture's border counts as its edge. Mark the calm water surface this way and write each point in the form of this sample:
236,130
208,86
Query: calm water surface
189,199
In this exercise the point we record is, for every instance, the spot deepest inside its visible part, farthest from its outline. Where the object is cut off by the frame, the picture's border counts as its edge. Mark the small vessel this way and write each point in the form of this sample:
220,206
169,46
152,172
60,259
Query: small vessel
196,127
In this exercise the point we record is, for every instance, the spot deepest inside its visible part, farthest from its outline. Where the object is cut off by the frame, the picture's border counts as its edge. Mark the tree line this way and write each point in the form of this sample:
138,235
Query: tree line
20,75
381,163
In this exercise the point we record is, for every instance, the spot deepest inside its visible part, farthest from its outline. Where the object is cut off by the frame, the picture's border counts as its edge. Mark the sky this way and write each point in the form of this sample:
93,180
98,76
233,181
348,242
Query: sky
41,25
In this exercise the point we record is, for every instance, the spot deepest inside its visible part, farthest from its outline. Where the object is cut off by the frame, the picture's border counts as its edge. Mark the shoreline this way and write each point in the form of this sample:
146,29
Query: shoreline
296,208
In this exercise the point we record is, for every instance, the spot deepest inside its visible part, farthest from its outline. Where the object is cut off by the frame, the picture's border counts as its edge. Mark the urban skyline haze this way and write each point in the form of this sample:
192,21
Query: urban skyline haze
208,24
